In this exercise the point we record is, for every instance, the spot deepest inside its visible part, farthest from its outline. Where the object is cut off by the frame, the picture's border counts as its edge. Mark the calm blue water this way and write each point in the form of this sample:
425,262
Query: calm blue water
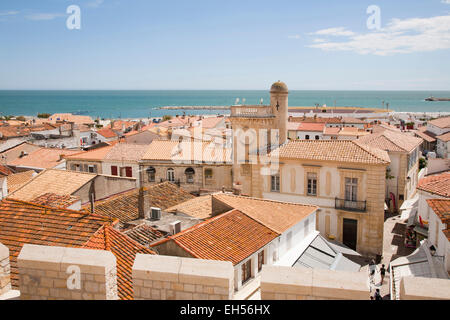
142,104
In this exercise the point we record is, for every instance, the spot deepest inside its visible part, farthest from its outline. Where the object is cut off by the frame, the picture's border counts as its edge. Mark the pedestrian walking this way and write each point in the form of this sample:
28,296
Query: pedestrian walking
382,272
378,295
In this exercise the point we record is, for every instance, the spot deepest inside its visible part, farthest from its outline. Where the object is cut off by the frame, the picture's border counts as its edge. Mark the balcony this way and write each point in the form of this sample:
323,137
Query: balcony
349,205
256,111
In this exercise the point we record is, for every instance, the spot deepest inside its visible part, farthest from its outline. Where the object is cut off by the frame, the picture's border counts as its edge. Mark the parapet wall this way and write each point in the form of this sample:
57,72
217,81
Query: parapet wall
418,288
5,270
50,273
287,283
157,277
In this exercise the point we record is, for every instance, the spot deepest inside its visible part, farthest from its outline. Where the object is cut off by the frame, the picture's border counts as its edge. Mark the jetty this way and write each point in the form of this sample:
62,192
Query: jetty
195,108
437,99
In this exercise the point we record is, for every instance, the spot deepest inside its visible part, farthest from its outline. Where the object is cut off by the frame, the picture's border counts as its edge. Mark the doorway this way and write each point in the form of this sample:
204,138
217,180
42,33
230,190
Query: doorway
350,233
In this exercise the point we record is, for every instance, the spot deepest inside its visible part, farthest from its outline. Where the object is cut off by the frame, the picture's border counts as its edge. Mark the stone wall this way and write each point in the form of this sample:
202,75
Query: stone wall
5,269
173,278
287,283
418,288
66,273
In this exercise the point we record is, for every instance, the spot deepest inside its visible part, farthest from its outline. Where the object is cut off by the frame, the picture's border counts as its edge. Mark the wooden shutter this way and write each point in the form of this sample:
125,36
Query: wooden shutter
129,172
114,170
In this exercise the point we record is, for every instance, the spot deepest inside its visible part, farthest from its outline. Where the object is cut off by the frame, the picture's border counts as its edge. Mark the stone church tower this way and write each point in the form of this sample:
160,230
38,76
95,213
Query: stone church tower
253,126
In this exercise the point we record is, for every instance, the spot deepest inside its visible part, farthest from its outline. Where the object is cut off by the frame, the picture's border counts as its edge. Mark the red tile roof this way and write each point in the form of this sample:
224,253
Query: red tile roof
442,208
107,133
5,171
444,137
443,122
436,184
55,200
232,236
23,222
124,249
305,126
144,234
43,158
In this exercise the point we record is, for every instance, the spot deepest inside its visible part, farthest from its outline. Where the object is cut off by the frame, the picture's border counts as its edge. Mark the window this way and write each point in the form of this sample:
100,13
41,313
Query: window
170,175
151,173
128,172
73,167
85,168
275,183
260,260
317,137
92,169
351,189
114,171
246,271
189,175
208,173
307,137
312,184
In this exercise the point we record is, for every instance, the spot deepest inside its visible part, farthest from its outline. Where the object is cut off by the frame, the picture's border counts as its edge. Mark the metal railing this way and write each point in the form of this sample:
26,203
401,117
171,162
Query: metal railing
350,205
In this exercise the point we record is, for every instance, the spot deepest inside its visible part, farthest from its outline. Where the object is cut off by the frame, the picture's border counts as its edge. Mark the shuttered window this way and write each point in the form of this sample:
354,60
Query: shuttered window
128,172
114,170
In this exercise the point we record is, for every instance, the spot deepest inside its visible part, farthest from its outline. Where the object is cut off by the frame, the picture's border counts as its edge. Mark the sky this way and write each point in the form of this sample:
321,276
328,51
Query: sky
229,45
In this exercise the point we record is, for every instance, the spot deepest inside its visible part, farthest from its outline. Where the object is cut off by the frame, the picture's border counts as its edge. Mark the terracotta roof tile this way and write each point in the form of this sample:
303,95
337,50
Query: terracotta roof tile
60,182
305,126
55,200
124,249
199,207
442,208
332,130
211,122
5,171
127,151
96,154
442,123
107,133
391,141
124,206
436,184
22,222
333,150
444,137
78,119
426,135
232,236
278,216
43,158
17,180
169,150
144,234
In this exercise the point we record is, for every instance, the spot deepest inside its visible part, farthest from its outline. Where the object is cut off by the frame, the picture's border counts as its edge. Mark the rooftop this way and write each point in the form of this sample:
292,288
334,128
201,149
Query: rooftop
306,126
124,206
232,236
107,133
278,216
71,118
5,171
391,141
442,209
438,184
200,207
17,180
43,158
144,234
333,150
445,137
55,200
443,123
124,249
186,151
60,182
116,152
22,222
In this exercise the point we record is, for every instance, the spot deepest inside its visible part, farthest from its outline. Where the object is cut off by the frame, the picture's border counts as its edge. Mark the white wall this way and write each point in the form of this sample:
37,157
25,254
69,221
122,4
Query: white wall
441,242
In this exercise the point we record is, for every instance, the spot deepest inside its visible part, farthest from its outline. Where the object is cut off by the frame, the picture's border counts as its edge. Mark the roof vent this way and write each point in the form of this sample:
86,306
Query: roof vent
155,213
175,227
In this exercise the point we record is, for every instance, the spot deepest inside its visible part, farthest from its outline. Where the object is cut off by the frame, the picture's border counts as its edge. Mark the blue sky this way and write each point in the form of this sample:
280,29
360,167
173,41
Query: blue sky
197,44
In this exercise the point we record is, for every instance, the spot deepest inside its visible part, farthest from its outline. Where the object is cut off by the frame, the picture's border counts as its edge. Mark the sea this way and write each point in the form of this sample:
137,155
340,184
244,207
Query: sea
145,104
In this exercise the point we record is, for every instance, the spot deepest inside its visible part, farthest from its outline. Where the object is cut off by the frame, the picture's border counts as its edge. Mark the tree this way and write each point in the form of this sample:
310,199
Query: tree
422,163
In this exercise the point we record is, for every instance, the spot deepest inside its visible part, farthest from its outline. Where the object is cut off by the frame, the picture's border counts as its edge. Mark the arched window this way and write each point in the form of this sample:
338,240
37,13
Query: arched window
317,137
189,172
170,175
151,173
307,137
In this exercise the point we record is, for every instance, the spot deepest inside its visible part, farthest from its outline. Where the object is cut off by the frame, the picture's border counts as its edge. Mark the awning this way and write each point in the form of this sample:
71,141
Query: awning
408,204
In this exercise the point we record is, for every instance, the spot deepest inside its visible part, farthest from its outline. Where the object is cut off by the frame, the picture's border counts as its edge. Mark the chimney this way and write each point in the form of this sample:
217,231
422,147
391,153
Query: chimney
92,200
141,204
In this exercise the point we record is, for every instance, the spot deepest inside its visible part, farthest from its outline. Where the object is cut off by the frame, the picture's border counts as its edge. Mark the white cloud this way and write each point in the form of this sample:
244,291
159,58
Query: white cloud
95,3
399,36
44,16
341,31
446,1
8,13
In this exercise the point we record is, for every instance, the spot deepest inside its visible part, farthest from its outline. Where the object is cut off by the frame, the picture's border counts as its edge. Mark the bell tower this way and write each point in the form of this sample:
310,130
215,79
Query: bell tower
279,103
